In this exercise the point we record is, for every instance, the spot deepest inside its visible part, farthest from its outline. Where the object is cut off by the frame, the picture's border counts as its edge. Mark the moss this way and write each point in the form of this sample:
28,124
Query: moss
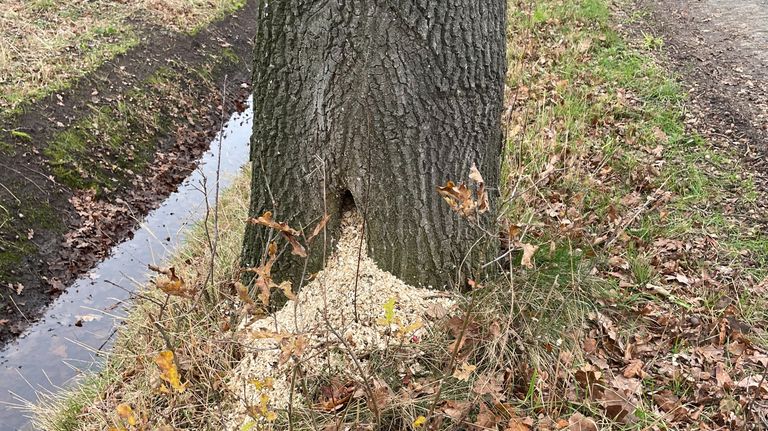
105,148
230,56
7,149
12,255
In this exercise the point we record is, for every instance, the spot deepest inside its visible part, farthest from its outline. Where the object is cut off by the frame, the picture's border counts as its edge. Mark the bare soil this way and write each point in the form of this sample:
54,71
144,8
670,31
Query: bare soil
52,231
719,50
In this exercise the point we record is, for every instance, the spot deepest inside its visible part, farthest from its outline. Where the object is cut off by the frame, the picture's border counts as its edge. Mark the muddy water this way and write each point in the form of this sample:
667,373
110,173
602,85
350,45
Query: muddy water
746,21
81,322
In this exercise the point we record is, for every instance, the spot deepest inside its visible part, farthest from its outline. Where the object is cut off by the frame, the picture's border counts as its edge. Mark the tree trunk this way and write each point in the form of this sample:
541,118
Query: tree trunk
375,103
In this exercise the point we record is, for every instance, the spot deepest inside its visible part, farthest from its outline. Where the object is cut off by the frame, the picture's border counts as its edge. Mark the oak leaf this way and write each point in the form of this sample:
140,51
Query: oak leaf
528,251
288,232
126,413
463,372
172,284
169,372
579,422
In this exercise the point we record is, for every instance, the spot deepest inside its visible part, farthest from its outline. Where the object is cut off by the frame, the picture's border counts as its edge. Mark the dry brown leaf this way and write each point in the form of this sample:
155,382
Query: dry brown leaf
294,346
319,228
242,293
634,369
266,220
486,419
519,424
289,233
464,371
286,288
721,375
482,194
172,284
670,403
459,198
617,406
296,247
335,395
489,384
457,410
579,422
528,251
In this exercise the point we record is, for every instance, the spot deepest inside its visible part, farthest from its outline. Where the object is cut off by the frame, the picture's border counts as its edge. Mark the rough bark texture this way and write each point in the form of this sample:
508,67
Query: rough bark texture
383,100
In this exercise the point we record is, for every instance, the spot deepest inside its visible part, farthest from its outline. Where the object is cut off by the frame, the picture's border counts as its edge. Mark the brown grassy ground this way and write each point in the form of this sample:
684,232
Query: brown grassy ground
46,44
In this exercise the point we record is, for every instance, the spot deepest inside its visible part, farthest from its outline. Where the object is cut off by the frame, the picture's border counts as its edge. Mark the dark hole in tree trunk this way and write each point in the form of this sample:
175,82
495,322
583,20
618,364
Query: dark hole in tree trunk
346,202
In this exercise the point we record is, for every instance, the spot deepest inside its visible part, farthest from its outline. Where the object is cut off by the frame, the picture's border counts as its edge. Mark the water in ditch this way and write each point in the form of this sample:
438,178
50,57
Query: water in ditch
81,322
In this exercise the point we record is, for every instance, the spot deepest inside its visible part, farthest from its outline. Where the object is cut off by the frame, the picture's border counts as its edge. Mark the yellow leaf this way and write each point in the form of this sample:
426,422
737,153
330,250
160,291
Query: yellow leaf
126,413
169,372
389,311
464,371
270,416
401,332
173,284
419,422
263,384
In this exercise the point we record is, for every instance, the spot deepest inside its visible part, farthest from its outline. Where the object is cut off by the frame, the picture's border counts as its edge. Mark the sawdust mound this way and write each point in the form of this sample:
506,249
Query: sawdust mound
263,378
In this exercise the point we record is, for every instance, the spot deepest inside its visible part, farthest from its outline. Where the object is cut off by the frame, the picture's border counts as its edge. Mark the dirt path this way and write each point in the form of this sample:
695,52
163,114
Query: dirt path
720,49
89,162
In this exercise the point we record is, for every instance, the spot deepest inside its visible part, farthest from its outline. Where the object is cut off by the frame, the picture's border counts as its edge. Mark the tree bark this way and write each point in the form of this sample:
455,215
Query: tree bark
376,102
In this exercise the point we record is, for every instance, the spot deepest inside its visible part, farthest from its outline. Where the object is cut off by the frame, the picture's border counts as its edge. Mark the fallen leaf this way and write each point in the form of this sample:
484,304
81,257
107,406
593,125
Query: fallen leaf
670,403
519,424
457,410
489,384
617,406
528,251
579,422
464,371
335,395
721,376
126,413
419,422
486,419
169,372
634,369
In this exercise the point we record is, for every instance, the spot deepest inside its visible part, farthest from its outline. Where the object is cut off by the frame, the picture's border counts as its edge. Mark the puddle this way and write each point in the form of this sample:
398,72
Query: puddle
54,350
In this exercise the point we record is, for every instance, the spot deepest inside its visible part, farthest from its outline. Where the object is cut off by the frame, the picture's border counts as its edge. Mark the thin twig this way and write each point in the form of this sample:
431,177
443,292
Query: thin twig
366,383
455,352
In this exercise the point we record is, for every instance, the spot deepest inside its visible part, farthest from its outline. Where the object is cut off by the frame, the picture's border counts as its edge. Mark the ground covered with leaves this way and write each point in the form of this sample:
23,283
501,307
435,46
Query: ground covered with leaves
632,292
